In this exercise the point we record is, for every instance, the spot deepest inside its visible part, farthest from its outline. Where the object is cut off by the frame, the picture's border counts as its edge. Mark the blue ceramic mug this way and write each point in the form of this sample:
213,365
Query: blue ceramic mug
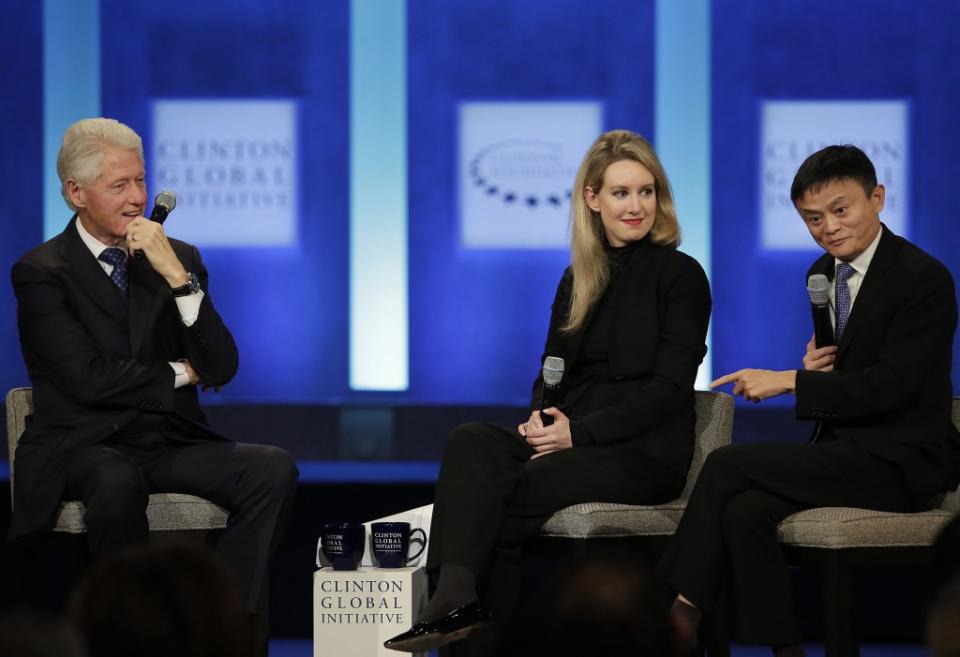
343,544
391,543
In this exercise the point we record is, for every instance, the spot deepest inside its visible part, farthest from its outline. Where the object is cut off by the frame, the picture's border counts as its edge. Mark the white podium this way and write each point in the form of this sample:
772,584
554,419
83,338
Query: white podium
355,611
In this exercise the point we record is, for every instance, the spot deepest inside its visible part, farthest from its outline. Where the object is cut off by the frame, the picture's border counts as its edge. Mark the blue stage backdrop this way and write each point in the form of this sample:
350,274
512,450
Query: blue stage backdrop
21,185
287,305
821,51
541,77
478,316
477,312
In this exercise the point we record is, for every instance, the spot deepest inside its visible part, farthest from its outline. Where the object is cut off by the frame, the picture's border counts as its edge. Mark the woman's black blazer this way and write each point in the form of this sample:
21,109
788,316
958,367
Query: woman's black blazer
643,403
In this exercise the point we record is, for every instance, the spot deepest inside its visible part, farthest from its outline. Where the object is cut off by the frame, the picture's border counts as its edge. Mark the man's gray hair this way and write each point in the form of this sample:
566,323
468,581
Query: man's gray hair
81,152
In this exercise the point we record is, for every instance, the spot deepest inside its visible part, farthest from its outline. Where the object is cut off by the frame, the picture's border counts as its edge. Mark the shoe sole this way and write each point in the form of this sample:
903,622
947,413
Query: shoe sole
432,642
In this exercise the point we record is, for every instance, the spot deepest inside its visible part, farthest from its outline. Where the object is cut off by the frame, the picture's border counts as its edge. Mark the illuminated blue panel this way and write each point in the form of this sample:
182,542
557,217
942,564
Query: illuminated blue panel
793,130
378,196
517,164
71,89
233,167
683,123
378,472
326,472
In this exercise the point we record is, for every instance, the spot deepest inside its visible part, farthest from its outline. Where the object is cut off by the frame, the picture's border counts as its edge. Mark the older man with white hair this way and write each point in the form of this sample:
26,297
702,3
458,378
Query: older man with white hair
116,347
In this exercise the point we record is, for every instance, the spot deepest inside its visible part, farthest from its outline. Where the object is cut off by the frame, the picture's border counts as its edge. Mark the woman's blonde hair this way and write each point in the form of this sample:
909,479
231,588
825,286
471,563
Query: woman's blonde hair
589,264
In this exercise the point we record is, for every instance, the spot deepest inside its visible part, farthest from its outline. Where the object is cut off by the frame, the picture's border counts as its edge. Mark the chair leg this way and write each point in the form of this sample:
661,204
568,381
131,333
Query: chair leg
840,634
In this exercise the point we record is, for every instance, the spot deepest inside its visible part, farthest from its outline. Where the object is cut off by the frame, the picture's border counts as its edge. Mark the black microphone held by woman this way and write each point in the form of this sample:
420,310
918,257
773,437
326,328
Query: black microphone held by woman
552,374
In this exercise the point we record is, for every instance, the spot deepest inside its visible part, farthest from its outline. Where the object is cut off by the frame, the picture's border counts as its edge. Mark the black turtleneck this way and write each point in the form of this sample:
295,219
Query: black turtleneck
596,341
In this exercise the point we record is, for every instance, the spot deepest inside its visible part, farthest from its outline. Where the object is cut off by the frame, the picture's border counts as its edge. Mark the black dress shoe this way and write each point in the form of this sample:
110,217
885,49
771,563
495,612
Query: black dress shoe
458,624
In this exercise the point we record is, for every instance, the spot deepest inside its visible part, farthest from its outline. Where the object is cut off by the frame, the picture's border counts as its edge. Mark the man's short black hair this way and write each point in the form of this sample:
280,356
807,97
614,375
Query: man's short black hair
840,162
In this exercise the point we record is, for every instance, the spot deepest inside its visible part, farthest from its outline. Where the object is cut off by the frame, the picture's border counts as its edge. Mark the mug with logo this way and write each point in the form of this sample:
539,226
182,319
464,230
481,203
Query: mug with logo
391,543
343,544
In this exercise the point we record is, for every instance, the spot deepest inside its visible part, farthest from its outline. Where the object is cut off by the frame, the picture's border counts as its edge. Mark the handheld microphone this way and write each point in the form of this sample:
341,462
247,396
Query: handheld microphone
163,205
550,393
818,287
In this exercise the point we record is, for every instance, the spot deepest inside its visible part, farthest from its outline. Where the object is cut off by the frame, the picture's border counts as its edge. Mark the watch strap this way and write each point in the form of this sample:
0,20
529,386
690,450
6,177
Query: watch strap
190,287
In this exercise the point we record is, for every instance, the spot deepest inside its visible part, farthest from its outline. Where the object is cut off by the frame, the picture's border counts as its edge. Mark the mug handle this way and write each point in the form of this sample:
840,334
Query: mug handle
423,543
321,557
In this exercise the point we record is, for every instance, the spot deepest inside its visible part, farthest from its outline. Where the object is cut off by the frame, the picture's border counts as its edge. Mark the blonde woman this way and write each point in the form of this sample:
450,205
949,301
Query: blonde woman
629,319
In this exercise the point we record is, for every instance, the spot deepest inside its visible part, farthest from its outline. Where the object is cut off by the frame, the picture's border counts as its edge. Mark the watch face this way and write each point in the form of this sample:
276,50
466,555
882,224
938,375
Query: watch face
190,287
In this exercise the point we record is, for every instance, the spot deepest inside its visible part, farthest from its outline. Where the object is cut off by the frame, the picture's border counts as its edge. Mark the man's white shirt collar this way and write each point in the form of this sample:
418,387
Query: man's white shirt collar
96,246
861,263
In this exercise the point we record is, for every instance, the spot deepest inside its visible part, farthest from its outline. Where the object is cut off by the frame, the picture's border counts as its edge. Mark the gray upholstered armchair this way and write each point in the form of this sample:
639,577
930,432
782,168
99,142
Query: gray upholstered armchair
650,527
602,520
839,539
165,511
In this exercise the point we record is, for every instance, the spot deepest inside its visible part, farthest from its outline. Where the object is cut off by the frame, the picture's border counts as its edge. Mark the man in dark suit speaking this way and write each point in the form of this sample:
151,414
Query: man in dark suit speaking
115,347
882,398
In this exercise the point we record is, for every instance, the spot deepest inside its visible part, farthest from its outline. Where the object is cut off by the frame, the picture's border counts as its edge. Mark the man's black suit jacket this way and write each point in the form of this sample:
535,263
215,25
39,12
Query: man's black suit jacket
641,403
96,361
890,391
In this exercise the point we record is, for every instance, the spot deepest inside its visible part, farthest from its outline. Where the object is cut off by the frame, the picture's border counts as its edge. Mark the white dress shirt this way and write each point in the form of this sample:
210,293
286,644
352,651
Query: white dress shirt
860,265
189,305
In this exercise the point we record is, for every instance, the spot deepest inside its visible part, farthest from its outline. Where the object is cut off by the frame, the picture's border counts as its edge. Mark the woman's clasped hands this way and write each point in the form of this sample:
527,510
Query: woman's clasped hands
549,439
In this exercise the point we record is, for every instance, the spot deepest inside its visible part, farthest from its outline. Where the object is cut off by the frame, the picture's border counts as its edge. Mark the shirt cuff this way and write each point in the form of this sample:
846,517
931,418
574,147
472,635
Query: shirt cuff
189,307
181,378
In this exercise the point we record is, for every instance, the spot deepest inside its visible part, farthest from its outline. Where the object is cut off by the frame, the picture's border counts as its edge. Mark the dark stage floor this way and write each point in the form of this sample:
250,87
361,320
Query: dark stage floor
304,648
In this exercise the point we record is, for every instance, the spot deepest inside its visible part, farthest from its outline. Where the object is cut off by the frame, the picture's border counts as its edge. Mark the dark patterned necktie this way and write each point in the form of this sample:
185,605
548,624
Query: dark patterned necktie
117,258
842,297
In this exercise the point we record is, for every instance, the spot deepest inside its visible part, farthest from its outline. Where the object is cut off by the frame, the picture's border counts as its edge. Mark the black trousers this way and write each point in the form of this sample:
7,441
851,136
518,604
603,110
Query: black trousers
491,496
742,494
255,483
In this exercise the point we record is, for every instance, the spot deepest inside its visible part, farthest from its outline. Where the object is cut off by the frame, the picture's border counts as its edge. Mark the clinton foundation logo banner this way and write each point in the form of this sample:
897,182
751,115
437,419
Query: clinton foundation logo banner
792,130
517,162
233,166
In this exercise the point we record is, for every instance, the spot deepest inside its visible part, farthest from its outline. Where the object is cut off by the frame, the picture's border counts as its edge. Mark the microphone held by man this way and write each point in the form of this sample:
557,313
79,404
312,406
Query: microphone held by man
163,204
818,287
